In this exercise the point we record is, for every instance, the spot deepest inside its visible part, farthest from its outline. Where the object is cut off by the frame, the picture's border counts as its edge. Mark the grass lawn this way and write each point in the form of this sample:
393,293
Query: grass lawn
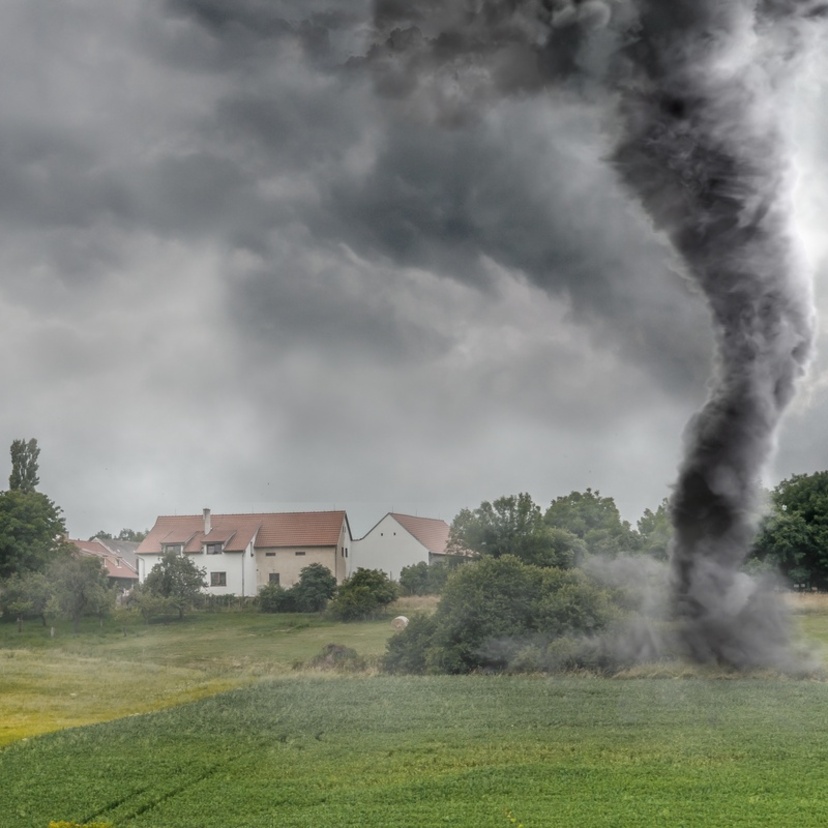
230,734
106,672
430,751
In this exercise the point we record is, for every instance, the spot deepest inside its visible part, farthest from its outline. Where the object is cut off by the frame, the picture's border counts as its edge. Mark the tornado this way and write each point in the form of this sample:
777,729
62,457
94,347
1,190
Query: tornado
703,147
699,89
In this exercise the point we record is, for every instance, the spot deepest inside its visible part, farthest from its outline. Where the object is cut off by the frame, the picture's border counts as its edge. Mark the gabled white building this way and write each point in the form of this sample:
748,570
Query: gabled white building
242,553
398,541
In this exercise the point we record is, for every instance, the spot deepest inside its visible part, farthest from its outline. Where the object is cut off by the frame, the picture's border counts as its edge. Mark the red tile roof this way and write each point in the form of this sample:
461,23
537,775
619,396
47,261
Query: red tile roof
116,565
432,533
271,530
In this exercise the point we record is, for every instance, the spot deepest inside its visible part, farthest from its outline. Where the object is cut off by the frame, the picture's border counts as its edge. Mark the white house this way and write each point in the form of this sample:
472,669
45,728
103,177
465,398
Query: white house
398,541
242,553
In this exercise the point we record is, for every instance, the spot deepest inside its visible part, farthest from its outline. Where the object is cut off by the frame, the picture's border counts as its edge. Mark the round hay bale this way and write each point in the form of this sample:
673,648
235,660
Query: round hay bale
399,623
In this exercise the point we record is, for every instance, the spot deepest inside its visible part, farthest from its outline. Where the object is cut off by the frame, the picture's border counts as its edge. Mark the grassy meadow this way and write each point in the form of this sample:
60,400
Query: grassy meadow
231,734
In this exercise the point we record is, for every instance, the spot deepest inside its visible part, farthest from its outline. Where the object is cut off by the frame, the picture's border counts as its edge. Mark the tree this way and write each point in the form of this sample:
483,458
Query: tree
23,477
414,579
317,585
177,579
493,609
27,595
656,531
275,598
32,532
81,588
132,535
513,525
428,578
794,535
366,593
123,535
594,519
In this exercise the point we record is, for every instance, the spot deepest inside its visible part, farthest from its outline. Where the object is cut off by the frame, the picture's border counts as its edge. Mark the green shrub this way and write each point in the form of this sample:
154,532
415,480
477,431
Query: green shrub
311,594
408,651
426,579
502,614
275,598
317,585
364,595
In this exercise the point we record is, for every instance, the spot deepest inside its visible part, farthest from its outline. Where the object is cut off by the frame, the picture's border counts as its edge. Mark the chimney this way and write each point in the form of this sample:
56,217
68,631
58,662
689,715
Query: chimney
207,526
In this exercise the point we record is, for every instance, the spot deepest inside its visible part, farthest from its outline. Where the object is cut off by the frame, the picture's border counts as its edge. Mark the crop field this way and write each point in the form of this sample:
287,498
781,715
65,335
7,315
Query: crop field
290,747
126,667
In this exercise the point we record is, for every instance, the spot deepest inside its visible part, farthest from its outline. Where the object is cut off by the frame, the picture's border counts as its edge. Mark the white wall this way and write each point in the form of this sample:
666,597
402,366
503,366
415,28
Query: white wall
239,566
389,547
240,569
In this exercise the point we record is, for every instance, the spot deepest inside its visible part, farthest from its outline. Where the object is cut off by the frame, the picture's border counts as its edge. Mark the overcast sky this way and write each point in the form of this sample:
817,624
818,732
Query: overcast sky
235,273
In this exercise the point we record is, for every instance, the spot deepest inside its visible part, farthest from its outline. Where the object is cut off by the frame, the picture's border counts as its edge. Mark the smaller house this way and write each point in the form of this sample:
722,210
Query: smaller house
398,541
118,557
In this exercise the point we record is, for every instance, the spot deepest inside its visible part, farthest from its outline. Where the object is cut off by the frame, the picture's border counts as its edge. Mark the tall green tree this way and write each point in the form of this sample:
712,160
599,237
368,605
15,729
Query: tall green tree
793,537
32,529
32,532
513,525
178,580
594,519
24,455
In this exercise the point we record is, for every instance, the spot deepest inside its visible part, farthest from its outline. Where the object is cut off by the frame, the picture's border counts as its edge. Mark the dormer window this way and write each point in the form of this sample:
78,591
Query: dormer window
175,548
214,548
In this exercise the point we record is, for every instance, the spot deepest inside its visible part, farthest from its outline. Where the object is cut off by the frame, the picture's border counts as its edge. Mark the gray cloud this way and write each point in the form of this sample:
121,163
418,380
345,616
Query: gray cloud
233,272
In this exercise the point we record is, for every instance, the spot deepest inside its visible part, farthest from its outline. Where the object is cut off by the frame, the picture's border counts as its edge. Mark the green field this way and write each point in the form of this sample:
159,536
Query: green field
297,748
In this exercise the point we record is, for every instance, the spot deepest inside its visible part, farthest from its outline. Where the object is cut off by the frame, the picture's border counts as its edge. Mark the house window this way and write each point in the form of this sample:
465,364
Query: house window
218,579
273,578
300,553
270,554
177,548
213,548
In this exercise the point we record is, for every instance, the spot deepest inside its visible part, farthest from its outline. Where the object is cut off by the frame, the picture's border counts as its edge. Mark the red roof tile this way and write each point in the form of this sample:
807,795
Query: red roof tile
432,533
275,529
116,565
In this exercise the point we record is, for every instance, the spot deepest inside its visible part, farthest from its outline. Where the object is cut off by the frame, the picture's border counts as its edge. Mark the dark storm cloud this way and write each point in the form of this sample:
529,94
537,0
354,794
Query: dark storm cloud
520,187
251,253
287,133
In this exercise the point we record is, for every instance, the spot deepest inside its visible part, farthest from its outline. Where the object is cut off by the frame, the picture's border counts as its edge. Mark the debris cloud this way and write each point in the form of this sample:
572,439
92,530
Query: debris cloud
699,90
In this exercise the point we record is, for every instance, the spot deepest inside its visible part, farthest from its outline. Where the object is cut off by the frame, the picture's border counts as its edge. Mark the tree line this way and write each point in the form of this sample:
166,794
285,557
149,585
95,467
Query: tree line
42,576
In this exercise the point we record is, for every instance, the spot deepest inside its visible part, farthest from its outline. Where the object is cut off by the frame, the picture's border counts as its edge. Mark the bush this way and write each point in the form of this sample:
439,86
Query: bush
364,595
501,614
317,585
426,579
274,598
408,651
311,594
151,605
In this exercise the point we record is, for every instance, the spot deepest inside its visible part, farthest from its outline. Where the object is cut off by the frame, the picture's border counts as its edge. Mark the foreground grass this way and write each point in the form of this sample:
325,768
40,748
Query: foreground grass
465,751
127,667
